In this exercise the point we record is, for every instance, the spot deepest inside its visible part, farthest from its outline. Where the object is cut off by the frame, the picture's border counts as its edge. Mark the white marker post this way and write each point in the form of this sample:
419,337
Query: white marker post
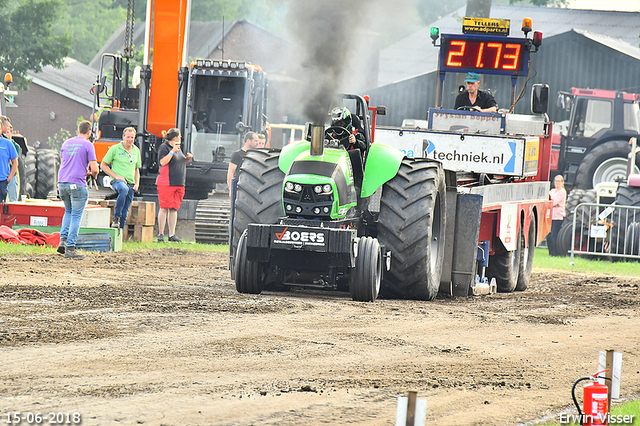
611,360
411,410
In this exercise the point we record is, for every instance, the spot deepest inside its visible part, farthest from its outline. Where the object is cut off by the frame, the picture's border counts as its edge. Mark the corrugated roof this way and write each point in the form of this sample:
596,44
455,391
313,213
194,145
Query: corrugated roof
416,55
204,37
73,81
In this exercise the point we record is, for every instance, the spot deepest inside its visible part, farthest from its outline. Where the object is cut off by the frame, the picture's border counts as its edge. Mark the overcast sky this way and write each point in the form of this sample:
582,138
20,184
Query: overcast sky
622,5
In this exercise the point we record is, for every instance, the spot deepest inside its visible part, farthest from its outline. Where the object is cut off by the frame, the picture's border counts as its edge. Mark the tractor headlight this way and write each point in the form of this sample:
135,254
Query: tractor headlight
289,207
326,210
298,209
316,210
317,189
297,187
288,186
326,188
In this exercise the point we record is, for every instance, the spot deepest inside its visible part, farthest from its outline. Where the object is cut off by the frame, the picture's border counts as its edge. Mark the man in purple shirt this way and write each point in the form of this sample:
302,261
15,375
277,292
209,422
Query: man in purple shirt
76,155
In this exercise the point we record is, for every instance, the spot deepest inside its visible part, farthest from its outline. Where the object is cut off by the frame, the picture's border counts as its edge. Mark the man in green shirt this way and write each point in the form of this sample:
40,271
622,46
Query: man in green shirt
122,163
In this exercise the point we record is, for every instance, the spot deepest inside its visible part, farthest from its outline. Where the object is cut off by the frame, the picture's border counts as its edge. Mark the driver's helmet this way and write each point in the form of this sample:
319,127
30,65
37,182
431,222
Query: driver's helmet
341,116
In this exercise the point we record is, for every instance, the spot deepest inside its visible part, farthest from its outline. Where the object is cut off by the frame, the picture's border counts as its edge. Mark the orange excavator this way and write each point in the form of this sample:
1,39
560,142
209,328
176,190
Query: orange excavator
213,102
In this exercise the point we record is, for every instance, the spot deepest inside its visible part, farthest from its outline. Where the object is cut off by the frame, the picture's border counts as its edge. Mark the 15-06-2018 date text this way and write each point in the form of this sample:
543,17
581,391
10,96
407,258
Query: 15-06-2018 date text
50,418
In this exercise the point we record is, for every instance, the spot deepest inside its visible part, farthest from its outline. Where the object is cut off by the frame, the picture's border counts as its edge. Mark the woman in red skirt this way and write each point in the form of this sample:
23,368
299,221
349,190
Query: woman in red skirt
170,182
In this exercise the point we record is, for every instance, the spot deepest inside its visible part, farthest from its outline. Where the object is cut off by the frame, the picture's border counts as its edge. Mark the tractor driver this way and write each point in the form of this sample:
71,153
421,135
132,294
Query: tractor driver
475,99
342,117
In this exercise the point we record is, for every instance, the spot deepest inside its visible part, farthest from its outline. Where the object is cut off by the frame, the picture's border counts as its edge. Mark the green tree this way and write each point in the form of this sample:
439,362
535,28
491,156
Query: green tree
27,38
90,24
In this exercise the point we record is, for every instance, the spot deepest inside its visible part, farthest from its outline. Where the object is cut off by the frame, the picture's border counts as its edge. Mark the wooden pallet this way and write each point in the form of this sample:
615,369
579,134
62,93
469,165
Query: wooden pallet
141,212
141,233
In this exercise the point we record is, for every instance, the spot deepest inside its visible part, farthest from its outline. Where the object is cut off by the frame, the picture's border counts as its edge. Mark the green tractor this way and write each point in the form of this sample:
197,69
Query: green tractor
319,215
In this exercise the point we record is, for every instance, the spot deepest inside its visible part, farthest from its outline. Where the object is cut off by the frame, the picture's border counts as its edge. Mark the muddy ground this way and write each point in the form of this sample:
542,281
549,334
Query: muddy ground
163,338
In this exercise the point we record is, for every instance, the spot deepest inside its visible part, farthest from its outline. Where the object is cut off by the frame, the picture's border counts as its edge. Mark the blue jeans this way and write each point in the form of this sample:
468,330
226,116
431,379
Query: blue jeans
12,189
123,202
3,190
75,199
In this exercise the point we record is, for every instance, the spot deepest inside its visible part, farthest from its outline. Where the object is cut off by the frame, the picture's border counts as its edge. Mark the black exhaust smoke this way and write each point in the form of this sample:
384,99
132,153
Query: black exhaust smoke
323,30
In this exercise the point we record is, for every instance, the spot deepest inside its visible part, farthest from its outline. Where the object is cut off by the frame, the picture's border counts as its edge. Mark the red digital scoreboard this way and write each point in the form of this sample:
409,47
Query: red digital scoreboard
484,54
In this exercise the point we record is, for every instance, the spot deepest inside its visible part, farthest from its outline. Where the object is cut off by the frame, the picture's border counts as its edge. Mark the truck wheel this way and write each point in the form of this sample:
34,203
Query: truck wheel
505,267
621,219
364,280
411,225
604,163
248,278
259,193
526,259
29,182
45,172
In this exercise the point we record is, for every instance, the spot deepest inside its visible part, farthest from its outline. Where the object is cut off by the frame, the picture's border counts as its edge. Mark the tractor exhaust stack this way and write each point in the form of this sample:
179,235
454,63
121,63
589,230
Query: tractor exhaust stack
317,140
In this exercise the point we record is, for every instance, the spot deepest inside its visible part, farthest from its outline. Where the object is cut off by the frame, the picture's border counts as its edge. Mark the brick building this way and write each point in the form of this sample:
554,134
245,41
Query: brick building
56,99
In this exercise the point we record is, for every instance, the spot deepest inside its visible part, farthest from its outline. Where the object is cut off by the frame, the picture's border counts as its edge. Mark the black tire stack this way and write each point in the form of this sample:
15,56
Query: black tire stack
583,219
39,172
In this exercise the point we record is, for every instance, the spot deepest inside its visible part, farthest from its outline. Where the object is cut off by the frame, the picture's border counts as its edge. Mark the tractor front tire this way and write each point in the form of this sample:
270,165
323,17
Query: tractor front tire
505,267
411,225
365,278
249,277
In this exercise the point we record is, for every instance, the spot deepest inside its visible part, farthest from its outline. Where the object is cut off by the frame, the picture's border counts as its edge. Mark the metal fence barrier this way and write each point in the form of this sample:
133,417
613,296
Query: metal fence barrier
606,230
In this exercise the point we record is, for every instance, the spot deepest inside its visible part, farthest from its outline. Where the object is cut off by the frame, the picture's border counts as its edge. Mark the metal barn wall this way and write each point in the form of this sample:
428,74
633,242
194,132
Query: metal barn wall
564,61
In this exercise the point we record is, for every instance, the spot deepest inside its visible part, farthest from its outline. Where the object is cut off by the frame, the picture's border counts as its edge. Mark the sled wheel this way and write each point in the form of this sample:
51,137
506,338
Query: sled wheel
505,267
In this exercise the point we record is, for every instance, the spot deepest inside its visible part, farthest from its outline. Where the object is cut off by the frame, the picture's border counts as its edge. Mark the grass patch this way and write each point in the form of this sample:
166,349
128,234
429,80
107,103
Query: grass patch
630,409
132,247
542,260
127,247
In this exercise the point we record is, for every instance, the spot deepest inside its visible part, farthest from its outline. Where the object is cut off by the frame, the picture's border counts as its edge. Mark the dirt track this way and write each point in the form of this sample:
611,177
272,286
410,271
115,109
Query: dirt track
162,338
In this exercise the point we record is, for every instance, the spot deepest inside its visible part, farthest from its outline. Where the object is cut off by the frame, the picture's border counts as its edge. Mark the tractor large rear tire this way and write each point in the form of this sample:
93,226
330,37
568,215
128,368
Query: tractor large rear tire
249,277
46,160
526,258
259,193
604,163
29,182
621,219
505,267
364,281
411,225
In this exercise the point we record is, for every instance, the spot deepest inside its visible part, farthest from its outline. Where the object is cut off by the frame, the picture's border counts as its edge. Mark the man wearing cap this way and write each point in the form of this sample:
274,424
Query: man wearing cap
475,99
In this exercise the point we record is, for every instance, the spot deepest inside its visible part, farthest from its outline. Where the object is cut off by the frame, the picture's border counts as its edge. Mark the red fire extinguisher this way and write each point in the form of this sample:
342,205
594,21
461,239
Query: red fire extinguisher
596,398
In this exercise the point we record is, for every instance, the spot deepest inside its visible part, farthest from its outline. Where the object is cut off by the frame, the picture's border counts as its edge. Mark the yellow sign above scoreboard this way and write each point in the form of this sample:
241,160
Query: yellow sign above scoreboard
485,26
